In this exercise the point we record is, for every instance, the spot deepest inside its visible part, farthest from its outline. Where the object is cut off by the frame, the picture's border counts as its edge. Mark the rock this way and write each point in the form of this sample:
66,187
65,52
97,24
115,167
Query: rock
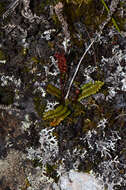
74,180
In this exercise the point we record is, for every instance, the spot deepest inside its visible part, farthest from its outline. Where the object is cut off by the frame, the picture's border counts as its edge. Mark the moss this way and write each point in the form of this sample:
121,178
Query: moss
39,104
51,171
120,21
24,51
35,60
86,166
39,8
87,13
6,96
88,125
78,109
2,8
2,55
36,163
90,88
27,185
78,2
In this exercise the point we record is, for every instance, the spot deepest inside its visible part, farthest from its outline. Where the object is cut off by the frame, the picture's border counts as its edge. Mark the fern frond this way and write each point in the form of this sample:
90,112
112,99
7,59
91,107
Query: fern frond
90,88
87,85
57,121
54,91
58,115
50,114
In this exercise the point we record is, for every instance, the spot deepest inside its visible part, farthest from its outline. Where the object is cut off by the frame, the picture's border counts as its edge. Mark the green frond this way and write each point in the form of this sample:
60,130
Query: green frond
58,115
90,88
54,91
51,113
56,121
85,86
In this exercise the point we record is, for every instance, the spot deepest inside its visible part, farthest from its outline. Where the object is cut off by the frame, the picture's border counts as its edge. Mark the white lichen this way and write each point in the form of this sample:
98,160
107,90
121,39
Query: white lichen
102,123
50,105
54,65
48,147
110,173
26,123
47,34
116,79
44,154
7,80
39,179
40,89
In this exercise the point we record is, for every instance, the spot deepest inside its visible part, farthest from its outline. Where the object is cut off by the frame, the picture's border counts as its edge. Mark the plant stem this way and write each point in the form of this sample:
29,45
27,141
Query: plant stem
78,68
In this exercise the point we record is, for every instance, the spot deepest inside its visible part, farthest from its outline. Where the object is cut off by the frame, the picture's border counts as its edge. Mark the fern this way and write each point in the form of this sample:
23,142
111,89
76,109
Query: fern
54,91
51,113
56,121
58,115
61,112
89,89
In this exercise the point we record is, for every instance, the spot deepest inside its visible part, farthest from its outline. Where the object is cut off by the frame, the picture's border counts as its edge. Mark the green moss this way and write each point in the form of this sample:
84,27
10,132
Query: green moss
78,109
88,13
37,163
55,134
6,96
39,8
39,104
78,2
51,171
2,55
2,8
86,166
35,60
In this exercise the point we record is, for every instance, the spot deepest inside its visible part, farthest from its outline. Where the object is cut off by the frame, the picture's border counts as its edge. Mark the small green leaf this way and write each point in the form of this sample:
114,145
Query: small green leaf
90,88
51,113
54,91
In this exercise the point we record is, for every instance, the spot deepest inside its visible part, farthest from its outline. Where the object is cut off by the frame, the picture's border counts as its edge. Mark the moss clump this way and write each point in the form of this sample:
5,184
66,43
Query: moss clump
39,104
6,96
121,20
78,2
51,171
37,163
39,6
2,55
2,8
